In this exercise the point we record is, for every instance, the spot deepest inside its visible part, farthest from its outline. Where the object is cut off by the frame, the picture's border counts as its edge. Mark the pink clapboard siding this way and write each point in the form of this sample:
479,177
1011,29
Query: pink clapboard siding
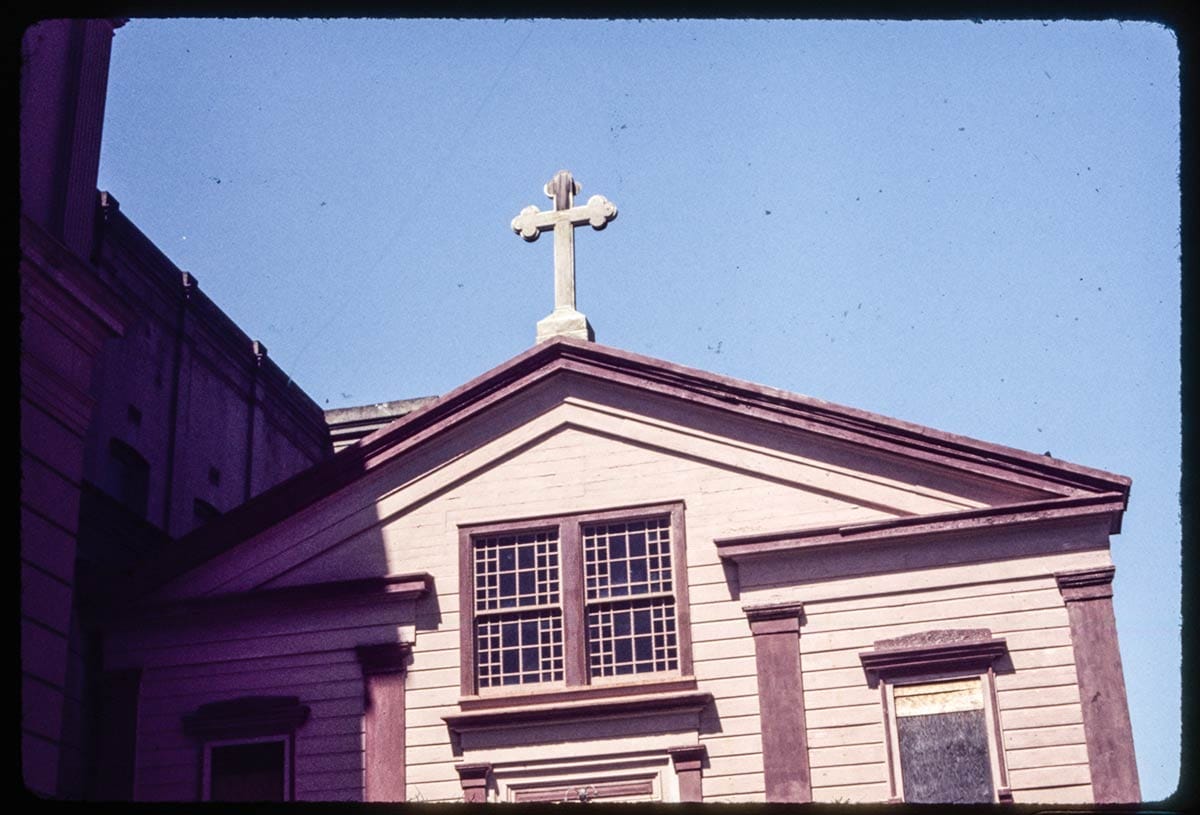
1036,700
205,658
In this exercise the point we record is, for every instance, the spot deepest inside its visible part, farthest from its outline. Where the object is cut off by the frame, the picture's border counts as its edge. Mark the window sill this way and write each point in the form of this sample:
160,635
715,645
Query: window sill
679,696
564,695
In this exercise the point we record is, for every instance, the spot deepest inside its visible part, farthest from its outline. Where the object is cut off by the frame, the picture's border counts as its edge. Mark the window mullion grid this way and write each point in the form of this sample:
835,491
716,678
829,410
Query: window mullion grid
574,632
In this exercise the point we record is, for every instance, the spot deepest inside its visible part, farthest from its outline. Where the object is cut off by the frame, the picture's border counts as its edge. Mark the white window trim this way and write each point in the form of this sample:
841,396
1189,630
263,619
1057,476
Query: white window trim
206,791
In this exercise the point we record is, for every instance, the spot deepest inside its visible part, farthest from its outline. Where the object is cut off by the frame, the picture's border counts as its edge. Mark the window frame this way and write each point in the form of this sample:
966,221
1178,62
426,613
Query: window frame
965,654
246,720
576,672
206,768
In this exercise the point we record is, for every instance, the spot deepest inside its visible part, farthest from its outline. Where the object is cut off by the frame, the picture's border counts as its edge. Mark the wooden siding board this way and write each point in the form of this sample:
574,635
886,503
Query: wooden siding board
304,681
1048,716
1071,794
220,625
300,660
332,692
1037,697
1027,649
1040,592
938,577
435,679
851,793
351,762
845,735
722,746
999,623
709,651
871,753
1046,756
922,610
833,678
749,784
1046,677
308,744
1052,736
845,774
845,715
250,647
840,697
1065,775
743,725
43,653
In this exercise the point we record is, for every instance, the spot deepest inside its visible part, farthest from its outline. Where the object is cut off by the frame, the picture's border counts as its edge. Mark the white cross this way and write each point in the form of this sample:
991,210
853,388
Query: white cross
563,219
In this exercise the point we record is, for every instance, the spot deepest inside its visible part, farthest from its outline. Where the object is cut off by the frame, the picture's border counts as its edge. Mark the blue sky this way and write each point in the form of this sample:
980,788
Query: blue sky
970,226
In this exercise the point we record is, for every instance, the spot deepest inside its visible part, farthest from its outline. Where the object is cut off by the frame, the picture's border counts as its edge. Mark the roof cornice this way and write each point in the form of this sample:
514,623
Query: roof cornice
903,530
847,425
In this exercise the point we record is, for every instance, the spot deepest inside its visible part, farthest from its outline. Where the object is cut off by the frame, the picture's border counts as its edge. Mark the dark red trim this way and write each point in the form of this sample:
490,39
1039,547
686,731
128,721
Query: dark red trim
1086,584
776,632
1088,597
384,764
384,658
679,577
392,588
903,530
926,660
584,694
474,780
694,701
466,612
575,662
545,360
246,717
689,768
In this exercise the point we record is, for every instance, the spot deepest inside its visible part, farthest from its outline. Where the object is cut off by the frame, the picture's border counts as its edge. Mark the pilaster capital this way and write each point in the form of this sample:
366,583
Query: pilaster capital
1086,584
385,658
774,618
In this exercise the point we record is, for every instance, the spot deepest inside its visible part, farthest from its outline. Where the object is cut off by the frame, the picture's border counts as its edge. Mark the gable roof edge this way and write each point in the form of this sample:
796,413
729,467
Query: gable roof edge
829,419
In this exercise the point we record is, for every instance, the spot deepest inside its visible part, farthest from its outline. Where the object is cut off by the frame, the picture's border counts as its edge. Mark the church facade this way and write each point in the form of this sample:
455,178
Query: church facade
585,575
591,574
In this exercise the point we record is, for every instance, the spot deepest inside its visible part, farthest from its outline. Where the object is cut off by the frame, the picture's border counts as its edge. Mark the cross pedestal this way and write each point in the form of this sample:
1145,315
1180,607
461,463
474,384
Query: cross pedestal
565,320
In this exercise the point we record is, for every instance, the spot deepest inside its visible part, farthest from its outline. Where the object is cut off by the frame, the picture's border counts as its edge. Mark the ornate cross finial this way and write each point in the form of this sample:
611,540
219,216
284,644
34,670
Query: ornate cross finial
532,222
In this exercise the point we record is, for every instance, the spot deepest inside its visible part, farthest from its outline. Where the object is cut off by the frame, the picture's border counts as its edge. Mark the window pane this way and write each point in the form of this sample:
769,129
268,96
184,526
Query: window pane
513,571
528,648
635,636
627,559
247,772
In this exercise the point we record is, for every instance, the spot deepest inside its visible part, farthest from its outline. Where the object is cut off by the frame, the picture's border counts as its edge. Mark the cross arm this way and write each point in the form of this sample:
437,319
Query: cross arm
532,222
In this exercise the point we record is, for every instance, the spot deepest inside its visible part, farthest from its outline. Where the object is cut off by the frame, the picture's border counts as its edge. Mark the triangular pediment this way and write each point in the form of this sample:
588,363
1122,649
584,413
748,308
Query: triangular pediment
572,427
